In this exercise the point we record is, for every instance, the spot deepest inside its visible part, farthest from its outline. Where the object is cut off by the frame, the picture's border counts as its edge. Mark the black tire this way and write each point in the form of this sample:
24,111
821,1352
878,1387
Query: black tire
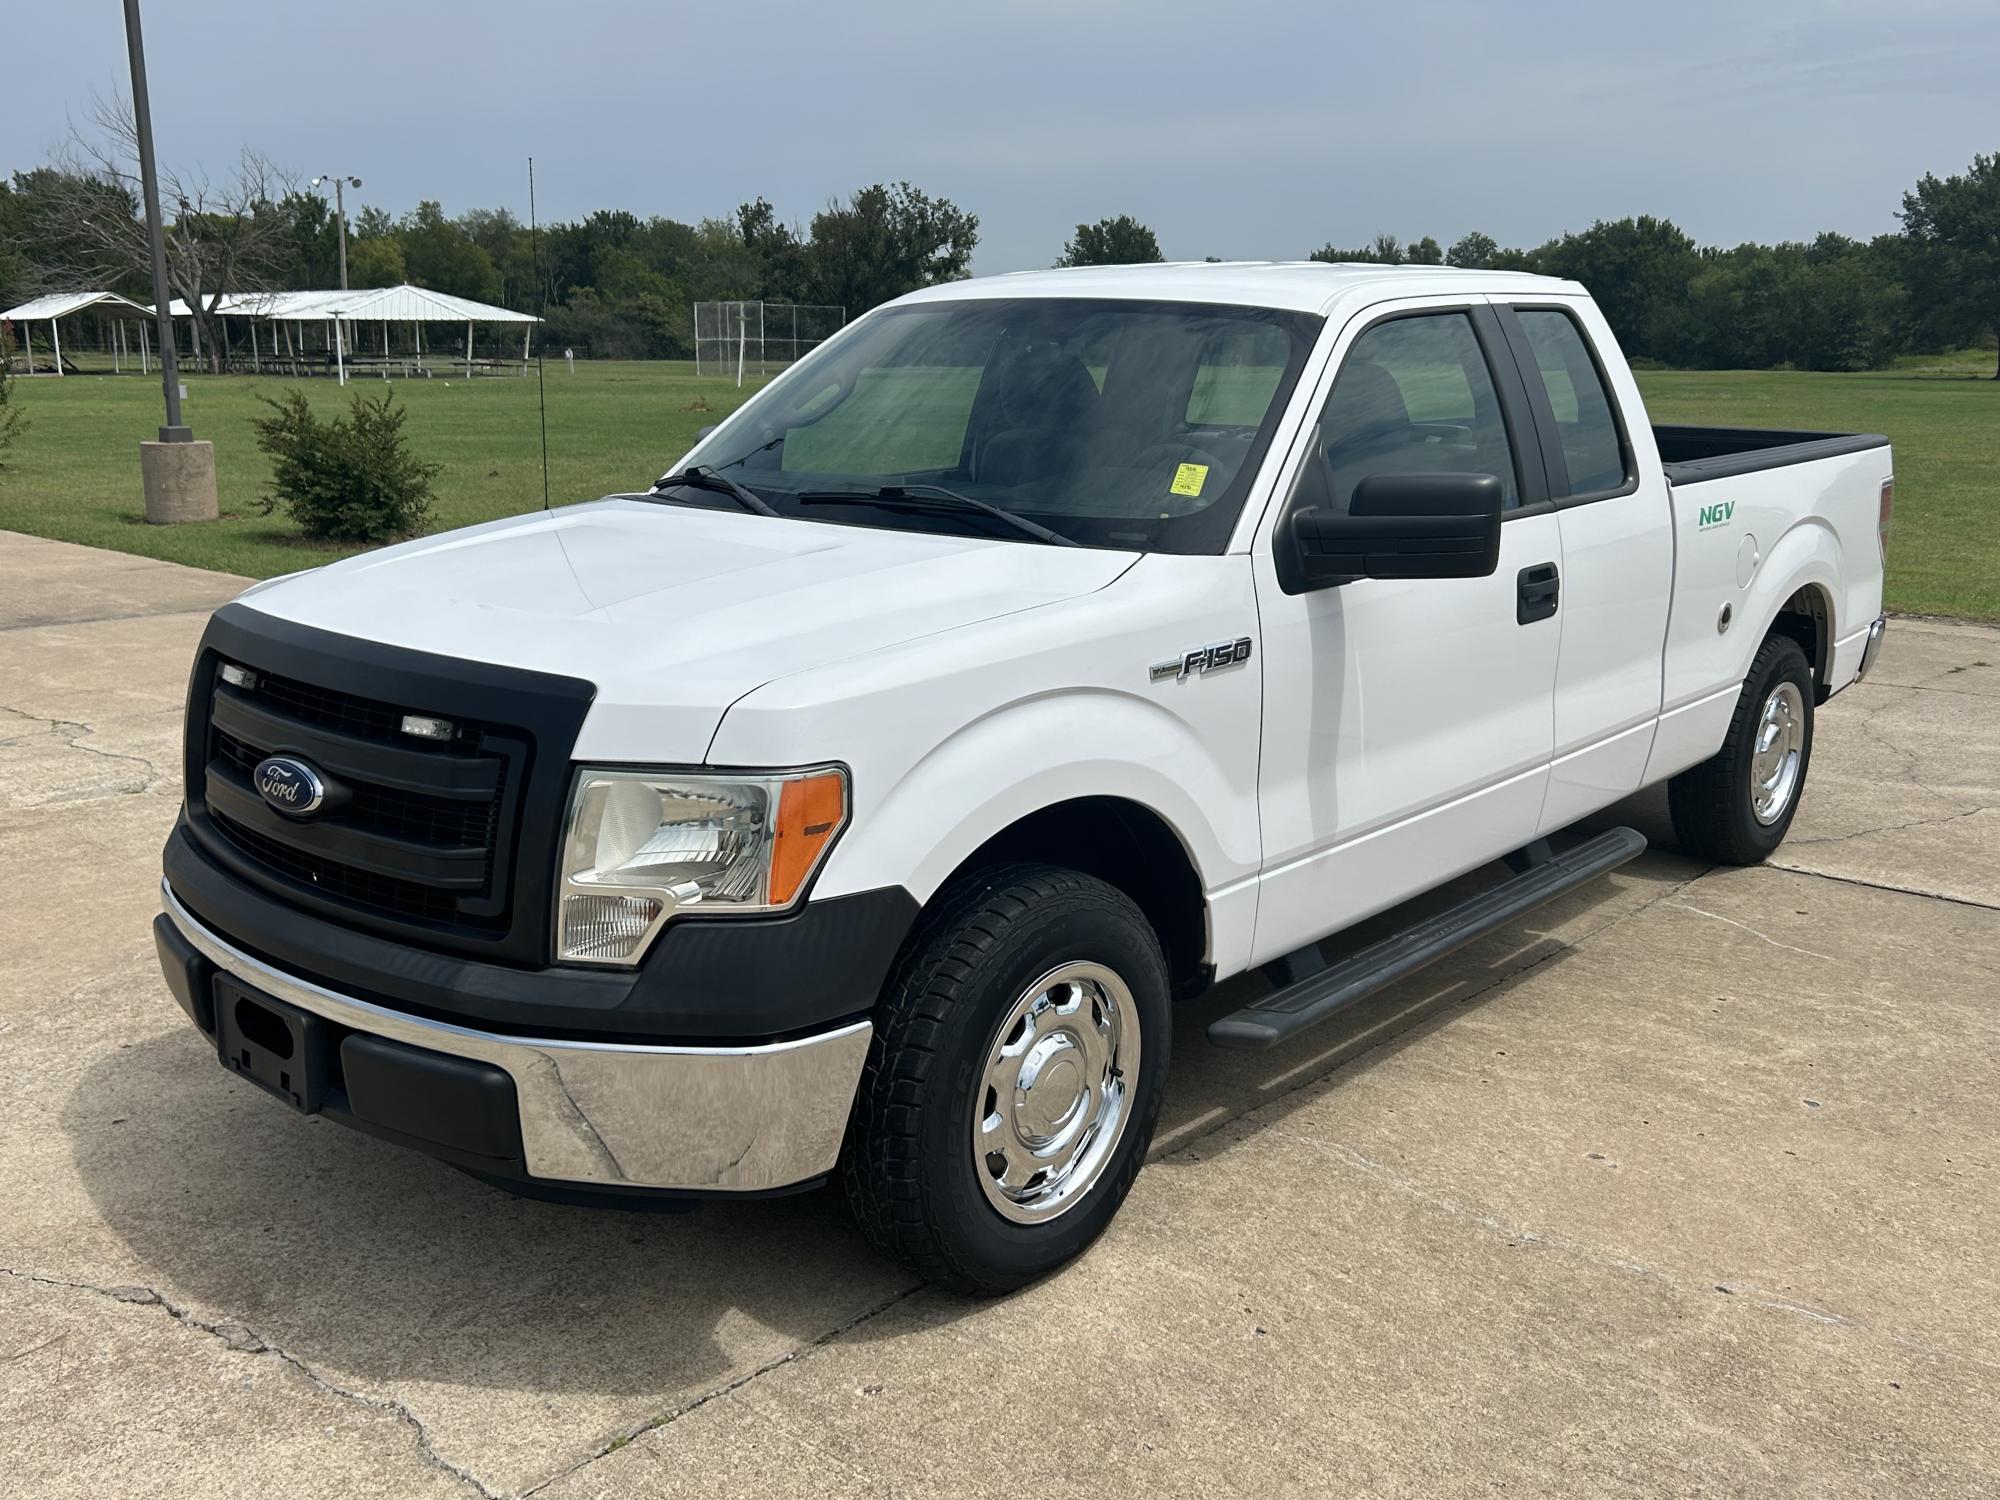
1711,803
908,1165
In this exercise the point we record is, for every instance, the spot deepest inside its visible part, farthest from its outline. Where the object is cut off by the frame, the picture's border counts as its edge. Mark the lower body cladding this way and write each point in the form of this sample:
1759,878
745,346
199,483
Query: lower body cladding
586,1116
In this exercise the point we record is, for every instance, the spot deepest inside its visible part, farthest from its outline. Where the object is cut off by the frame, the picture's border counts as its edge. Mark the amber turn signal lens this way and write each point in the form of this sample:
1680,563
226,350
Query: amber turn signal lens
810,812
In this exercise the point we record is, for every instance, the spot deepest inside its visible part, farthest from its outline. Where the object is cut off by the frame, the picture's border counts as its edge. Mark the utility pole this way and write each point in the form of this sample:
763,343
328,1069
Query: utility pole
178,474
340,214
156,235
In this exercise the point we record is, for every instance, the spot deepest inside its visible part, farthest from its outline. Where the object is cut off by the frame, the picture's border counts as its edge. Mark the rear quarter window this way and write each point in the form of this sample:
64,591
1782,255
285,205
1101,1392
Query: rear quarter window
1586,416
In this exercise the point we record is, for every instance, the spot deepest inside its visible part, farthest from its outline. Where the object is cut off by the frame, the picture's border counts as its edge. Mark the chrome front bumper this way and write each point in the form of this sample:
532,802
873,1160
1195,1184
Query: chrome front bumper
729,1118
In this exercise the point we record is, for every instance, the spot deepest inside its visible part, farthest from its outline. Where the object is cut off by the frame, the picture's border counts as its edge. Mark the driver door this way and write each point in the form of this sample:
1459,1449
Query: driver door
1408,724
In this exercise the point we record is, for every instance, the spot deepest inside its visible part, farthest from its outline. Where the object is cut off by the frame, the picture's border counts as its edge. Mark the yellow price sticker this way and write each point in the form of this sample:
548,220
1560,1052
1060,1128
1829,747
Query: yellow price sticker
1189,478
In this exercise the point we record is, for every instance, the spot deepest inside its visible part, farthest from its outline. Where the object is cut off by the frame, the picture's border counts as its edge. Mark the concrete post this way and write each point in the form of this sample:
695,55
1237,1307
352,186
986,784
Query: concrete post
179,481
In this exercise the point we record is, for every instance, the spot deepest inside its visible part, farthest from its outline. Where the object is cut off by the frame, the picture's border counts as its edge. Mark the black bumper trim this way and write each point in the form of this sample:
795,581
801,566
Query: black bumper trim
714,981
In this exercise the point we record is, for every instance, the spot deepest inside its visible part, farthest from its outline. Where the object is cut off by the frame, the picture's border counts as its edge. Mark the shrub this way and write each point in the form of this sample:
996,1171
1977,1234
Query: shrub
13,421
352,479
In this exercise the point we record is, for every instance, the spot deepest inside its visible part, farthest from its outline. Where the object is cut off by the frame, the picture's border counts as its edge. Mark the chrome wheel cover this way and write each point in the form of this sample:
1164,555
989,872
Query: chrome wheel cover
1055,1094
1777,753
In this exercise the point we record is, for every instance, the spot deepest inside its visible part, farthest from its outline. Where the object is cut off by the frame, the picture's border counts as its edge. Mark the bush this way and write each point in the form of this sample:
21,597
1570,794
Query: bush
13,421
352,479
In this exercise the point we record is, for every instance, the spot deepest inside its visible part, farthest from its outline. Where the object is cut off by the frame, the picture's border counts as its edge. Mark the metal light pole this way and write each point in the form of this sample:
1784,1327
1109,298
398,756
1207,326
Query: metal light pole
340,214
142,114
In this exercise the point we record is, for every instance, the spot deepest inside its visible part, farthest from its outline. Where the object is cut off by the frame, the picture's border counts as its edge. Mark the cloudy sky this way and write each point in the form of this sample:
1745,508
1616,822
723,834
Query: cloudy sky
1253,129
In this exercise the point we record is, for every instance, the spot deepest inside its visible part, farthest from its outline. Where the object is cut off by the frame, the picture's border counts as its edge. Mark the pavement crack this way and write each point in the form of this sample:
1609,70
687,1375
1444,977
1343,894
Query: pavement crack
242,1339
73,733
1883,885
662,1419
1745,926
1842,838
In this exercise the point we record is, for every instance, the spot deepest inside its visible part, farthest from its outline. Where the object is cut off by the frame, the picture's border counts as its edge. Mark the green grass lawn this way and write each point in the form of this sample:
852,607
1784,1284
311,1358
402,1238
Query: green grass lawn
612,426
1944,418
75,476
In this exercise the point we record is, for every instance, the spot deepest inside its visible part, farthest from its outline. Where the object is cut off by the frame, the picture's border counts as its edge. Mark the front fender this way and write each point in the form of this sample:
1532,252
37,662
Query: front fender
1032,754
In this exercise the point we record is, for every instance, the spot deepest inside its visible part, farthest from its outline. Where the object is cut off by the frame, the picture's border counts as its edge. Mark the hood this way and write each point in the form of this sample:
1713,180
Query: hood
674,613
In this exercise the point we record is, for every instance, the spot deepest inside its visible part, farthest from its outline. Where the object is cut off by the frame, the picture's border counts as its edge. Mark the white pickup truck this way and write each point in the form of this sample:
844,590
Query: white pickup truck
1042,649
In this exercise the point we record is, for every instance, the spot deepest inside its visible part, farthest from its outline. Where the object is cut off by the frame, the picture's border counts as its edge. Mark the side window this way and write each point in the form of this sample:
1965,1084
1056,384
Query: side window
1585,416
1413,396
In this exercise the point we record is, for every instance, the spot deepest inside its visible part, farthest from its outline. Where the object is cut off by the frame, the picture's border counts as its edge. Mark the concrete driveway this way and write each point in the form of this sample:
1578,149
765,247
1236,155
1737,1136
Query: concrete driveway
1685,1186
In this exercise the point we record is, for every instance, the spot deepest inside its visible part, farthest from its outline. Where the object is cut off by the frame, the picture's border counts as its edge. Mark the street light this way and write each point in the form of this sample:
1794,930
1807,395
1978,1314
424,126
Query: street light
142,119
340,214
177,473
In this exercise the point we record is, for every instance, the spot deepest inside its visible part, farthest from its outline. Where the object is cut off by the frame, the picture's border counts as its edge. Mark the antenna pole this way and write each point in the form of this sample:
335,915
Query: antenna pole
542,307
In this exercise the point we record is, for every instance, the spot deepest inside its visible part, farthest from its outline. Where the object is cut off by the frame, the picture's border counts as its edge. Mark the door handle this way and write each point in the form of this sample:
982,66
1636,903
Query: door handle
1537,590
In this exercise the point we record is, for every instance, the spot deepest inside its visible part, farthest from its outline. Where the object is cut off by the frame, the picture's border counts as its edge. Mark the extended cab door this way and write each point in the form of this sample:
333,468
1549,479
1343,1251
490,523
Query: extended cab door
1407,724
1610,497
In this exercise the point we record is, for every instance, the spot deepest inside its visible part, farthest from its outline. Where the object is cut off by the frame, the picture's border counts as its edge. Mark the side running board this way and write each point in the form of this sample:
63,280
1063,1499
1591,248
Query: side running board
1307,1001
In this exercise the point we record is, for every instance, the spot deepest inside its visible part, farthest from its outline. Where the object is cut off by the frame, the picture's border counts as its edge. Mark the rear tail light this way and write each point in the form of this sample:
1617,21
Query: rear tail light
1888,514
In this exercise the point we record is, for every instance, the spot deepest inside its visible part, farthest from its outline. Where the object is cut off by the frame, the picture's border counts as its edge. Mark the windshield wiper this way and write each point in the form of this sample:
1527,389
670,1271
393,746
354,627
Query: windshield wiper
700,477
934,497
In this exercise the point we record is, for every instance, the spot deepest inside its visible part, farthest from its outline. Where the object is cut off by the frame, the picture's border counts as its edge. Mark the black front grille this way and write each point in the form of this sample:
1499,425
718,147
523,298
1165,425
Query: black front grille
412,829
384,893
446,845
330,708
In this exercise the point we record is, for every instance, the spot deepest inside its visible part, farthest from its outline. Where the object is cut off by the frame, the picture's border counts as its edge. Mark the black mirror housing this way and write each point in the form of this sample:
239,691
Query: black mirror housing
1399,526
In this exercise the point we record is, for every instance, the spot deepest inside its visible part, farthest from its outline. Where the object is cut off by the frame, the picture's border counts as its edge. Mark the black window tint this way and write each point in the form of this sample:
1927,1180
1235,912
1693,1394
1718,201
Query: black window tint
1583,410
1414,396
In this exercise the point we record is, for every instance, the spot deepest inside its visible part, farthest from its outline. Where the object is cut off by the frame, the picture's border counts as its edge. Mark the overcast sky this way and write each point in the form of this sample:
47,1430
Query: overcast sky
1251,129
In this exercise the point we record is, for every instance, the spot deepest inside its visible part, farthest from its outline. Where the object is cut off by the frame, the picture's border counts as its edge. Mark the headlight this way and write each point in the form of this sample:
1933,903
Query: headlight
640,846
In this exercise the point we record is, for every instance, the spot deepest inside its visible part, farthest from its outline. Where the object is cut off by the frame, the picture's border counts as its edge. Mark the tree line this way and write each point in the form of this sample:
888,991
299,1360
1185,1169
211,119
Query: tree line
620,285
1831,303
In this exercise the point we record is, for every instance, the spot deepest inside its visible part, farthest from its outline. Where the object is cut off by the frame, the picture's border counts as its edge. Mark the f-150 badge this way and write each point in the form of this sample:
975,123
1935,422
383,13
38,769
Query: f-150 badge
1203,659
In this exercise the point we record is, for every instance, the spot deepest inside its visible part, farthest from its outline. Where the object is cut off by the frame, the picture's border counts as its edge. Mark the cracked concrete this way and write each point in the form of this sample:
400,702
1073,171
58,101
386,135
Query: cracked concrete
1685,1184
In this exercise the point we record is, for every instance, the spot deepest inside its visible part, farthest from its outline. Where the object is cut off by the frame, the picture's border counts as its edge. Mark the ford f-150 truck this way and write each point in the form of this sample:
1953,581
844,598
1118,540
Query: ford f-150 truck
854,802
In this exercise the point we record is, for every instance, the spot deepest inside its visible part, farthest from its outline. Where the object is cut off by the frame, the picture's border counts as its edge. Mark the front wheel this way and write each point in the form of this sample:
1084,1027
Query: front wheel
1737,806
1013,1081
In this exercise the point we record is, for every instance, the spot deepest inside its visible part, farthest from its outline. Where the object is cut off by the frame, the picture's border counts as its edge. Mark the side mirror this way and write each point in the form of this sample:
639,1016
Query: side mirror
703,432
1400,526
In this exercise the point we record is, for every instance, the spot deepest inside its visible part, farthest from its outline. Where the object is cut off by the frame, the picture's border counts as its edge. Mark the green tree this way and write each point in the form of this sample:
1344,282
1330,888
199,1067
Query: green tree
351,479
376,261
1386,250
1953,226
1122,241
1638,270
1474,252
310,248
13,421
440,255
1424,252
885,241
781,253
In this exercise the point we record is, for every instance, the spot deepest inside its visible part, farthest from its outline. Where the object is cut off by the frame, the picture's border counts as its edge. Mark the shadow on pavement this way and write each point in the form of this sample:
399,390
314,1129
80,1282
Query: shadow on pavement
375,1260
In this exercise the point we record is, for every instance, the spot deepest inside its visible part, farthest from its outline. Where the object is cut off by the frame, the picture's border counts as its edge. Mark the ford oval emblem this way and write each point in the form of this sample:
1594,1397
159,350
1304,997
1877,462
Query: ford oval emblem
291,786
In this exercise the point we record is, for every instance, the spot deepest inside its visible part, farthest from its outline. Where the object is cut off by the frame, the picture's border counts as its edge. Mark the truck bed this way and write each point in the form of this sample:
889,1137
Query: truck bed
1694,454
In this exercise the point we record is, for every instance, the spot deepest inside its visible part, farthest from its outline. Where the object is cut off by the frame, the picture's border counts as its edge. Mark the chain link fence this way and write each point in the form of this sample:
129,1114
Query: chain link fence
733,340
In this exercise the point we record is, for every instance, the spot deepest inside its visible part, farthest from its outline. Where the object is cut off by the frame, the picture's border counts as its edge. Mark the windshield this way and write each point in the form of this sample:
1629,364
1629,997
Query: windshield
1114,423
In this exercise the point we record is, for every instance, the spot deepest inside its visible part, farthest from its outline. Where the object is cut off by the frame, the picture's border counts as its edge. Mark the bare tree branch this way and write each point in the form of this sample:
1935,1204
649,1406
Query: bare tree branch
221,237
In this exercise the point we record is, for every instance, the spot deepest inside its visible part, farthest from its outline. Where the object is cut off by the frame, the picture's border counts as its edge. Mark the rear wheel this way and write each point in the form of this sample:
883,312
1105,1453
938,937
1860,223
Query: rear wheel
1737,806
1013,1081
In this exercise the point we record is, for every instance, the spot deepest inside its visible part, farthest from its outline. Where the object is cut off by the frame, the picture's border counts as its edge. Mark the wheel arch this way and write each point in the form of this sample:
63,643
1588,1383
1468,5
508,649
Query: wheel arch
1128,845
1806,616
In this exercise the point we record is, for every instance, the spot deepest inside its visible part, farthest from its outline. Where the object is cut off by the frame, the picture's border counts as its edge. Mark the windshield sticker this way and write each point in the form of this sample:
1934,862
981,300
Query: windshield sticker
1189,478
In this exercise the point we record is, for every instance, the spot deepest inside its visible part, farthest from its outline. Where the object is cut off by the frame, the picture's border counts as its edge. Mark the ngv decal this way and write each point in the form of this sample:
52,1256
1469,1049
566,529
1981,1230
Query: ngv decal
1203,660
1716,515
